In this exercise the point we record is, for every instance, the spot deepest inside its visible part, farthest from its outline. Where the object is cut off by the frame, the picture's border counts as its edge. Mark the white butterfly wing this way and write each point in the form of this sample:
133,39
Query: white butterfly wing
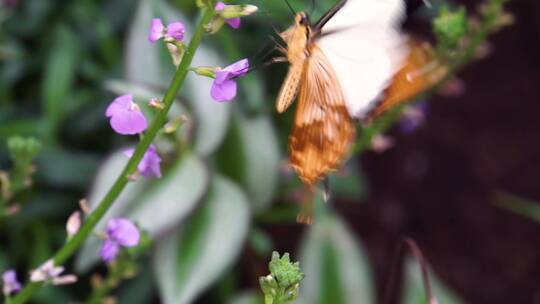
366,49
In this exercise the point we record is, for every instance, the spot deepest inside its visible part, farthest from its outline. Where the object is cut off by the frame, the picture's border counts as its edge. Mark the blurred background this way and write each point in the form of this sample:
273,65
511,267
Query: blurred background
463,183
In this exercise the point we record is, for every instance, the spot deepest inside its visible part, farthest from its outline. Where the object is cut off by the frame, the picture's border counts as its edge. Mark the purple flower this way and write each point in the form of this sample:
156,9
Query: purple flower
413,118
121,232
224,87
10,284
126,116
157,30
174,31
233,22
150,163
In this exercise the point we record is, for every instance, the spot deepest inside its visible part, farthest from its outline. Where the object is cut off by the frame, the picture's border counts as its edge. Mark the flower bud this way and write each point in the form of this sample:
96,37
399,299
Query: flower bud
73,223
206,71
235,11
450,27
156,103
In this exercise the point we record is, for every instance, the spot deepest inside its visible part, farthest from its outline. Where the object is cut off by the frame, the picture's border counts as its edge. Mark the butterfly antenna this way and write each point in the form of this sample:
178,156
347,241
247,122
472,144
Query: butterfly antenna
293,12
313,6
327,192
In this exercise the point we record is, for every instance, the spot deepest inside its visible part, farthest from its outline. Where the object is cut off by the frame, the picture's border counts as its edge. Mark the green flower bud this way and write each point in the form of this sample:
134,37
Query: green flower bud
450,27
282,285
205,71
235,11
23,149
215,25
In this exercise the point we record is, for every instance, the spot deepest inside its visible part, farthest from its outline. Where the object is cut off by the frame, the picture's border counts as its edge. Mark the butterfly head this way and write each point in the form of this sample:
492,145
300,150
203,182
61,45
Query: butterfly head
302,20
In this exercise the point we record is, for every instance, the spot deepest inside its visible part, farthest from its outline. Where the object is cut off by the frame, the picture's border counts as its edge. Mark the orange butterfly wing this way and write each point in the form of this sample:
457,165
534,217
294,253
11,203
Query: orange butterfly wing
420,72
323,130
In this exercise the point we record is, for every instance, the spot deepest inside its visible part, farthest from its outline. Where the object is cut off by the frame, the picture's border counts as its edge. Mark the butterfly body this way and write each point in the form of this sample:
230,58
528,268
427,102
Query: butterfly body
323,129
340,69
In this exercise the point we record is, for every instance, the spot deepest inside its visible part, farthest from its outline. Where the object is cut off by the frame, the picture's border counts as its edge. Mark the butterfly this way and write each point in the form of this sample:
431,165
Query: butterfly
353,63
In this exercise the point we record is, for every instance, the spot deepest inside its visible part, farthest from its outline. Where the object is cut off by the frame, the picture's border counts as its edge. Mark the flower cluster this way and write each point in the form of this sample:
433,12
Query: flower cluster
49,273
126,118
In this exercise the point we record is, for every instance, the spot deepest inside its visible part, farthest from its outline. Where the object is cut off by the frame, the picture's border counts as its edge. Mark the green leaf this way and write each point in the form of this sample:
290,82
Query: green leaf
142,57
414,292
263,159
62,168
59,77
169,199
251,157
248,297
191,258
336,268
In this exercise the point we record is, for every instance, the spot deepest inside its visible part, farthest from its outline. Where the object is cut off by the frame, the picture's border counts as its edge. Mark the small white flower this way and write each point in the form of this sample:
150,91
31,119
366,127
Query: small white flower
50,273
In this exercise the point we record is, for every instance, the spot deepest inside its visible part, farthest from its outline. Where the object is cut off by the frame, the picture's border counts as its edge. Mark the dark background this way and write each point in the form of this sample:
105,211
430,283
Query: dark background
439,186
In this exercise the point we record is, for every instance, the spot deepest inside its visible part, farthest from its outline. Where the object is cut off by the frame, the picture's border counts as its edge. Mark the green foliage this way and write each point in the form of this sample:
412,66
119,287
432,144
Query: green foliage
23,150
59,77
283,283
450,27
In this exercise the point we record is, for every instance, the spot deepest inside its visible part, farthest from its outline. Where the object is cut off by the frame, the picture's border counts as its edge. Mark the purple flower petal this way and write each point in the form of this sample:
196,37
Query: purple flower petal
109,250
129,123
220,6
10,284
224,87
119,104
234,22
126,116
176,30
239,68
150,165
413,118
224,91
123,232
157,30
222,76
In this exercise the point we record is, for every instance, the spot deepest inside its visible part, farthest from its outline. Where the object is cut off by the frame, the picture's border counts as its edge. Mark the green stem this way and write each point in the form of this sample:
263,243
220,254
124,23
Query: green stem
73,244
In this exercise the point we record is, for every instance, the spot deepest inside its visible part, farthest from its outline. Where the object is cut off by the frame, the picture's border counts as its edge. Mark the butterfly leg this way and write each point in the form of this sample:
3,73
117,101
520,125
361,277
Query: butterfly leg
306,214
327,192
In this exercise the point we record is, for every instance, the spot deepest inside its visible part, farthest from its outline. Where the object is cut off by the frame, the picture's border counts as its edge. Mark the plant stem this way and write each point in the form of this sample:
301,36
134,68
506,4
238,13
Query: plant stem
73,244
